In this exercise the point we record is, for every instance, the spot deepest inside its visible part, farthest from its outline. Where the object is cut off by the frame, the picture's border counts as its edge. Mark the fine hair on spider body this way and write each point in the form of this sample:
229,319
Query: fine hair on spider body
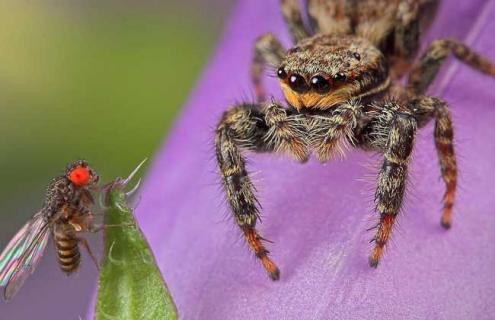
341,84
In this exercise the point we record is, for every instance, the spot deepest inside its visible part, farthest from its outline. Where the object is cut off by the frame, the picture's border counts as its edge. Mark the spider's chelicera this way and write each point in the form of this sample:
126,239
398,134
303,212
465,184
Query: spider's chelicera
341,86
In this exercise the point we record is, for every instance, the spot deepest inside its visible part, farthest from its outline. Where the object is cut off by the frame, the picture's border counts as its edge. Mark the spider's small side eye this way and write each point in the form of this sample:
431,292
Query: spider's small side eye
298,83
281,73
357,55
320,84
339,77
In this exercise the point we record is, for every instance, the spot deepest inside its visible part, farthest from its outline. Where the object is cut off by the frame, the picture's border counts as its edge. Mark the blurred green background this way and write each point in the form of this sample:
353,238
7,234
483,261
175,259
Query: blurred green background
98,80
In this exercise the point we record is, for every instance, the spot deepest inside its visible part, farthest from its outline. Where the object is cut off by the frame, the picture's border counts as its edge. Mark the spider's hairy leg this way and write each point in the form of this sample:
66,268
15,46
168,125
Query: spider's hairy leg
392,179
267,51
329,134
405,37
245,127
407,28
425,72
236,182
292,13
444,143
330,17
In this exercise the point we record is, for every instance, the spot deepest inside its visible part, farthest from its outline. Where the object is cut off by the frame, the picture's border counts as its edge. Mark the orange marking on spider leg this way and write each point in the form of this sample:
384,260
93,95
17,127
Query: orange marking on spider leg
79,176
450,178
446,220
381,238
254,242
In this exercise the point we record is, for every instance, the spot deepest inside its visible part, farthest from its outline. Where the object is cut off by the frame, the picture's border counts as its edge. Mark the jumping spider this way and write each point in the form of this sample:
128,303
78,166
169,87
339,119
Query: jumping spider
341,85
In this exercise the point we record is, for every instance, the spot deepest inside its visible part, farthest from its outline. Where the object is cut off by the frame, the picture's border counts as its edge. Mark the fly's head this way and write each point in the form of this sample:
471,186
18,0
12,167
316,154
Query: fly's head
324,71
81,175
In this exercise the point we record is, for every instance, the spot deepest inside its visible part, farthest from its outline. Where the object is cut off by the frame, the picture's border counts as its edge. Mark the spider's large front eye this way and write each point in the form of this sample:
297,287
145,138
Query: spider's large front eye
281,73
298,83
320,84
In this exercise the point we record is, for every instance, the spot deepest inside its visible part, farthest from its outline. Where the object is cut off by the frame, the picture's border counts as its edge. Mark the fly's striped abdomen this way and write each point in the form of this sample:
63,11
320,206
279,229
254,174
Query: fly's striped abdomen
66,243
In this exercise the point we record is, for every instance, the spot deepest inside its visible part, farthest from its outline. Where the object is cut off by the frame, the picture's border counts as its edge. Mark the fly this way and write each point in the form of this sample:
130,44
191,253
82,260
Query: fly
65,214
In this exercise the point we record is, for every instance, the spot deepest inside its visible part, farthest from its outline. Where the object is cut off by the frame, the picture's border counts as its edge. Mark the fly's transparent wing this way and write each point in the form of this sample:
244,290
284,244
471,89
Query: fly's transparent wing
22,254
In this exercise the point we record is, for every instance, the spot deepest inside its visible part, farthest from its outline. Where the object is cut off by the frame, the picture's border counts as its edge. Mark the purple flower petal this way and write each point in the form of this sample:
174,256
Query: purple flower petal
317,215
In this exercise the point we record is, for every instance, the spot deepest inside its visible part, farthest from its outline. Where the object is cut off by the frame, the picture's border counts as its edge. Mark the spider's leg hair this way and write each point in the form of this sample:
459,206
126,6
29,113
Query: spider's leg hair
246,127
393,174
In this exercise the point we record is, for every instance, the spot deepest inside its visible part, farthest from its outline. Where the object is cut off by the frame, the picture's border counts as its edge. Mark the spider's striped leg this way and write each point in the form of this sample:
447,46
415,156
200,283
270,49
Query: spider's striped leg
264,129
267,51
291,11
330,17
392,178
404,46
425,107
407,29
425,72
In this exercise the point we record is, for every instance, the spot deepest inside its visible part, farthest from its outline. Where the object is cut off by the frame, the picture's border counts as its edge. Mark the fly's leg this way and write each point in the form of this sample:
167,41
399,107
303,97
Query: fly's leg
267,51
85,244
264,129
425,72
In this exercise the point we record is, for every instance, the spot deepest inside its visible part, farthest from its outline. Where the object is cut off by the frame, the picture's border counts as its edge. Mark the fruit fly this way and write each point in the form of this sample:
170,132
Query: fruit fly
65,213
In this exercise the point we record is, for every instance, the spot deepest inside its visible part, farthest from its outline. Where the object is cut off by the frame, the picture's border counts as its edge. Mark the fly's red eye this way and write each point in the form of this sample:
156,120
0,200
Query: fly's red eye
79,176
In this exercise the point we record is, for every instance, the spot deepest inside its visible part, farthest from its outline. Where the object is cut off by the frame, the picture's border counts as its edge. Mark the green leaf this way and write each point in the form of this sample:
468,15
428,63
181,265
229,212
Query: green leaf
130,285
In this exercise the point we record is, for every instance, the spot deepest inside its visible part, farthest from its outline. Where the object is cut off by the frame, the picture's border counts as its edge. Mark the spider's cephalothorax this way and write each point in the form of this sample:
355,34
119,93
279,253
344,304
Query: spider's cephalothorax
326,70
341,86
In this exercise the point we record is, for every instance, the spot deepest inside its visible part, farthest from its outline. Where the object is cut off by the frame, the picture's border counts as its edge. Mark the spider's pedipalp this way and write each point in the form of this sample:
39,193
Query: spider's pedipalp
331,134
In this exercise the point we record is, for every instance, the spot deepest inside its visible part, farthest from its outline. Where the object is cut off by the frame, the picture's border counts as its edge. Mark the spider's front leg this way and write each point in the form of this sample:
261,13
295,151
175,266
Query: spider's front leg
425,72
267,51
392,177
246,127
